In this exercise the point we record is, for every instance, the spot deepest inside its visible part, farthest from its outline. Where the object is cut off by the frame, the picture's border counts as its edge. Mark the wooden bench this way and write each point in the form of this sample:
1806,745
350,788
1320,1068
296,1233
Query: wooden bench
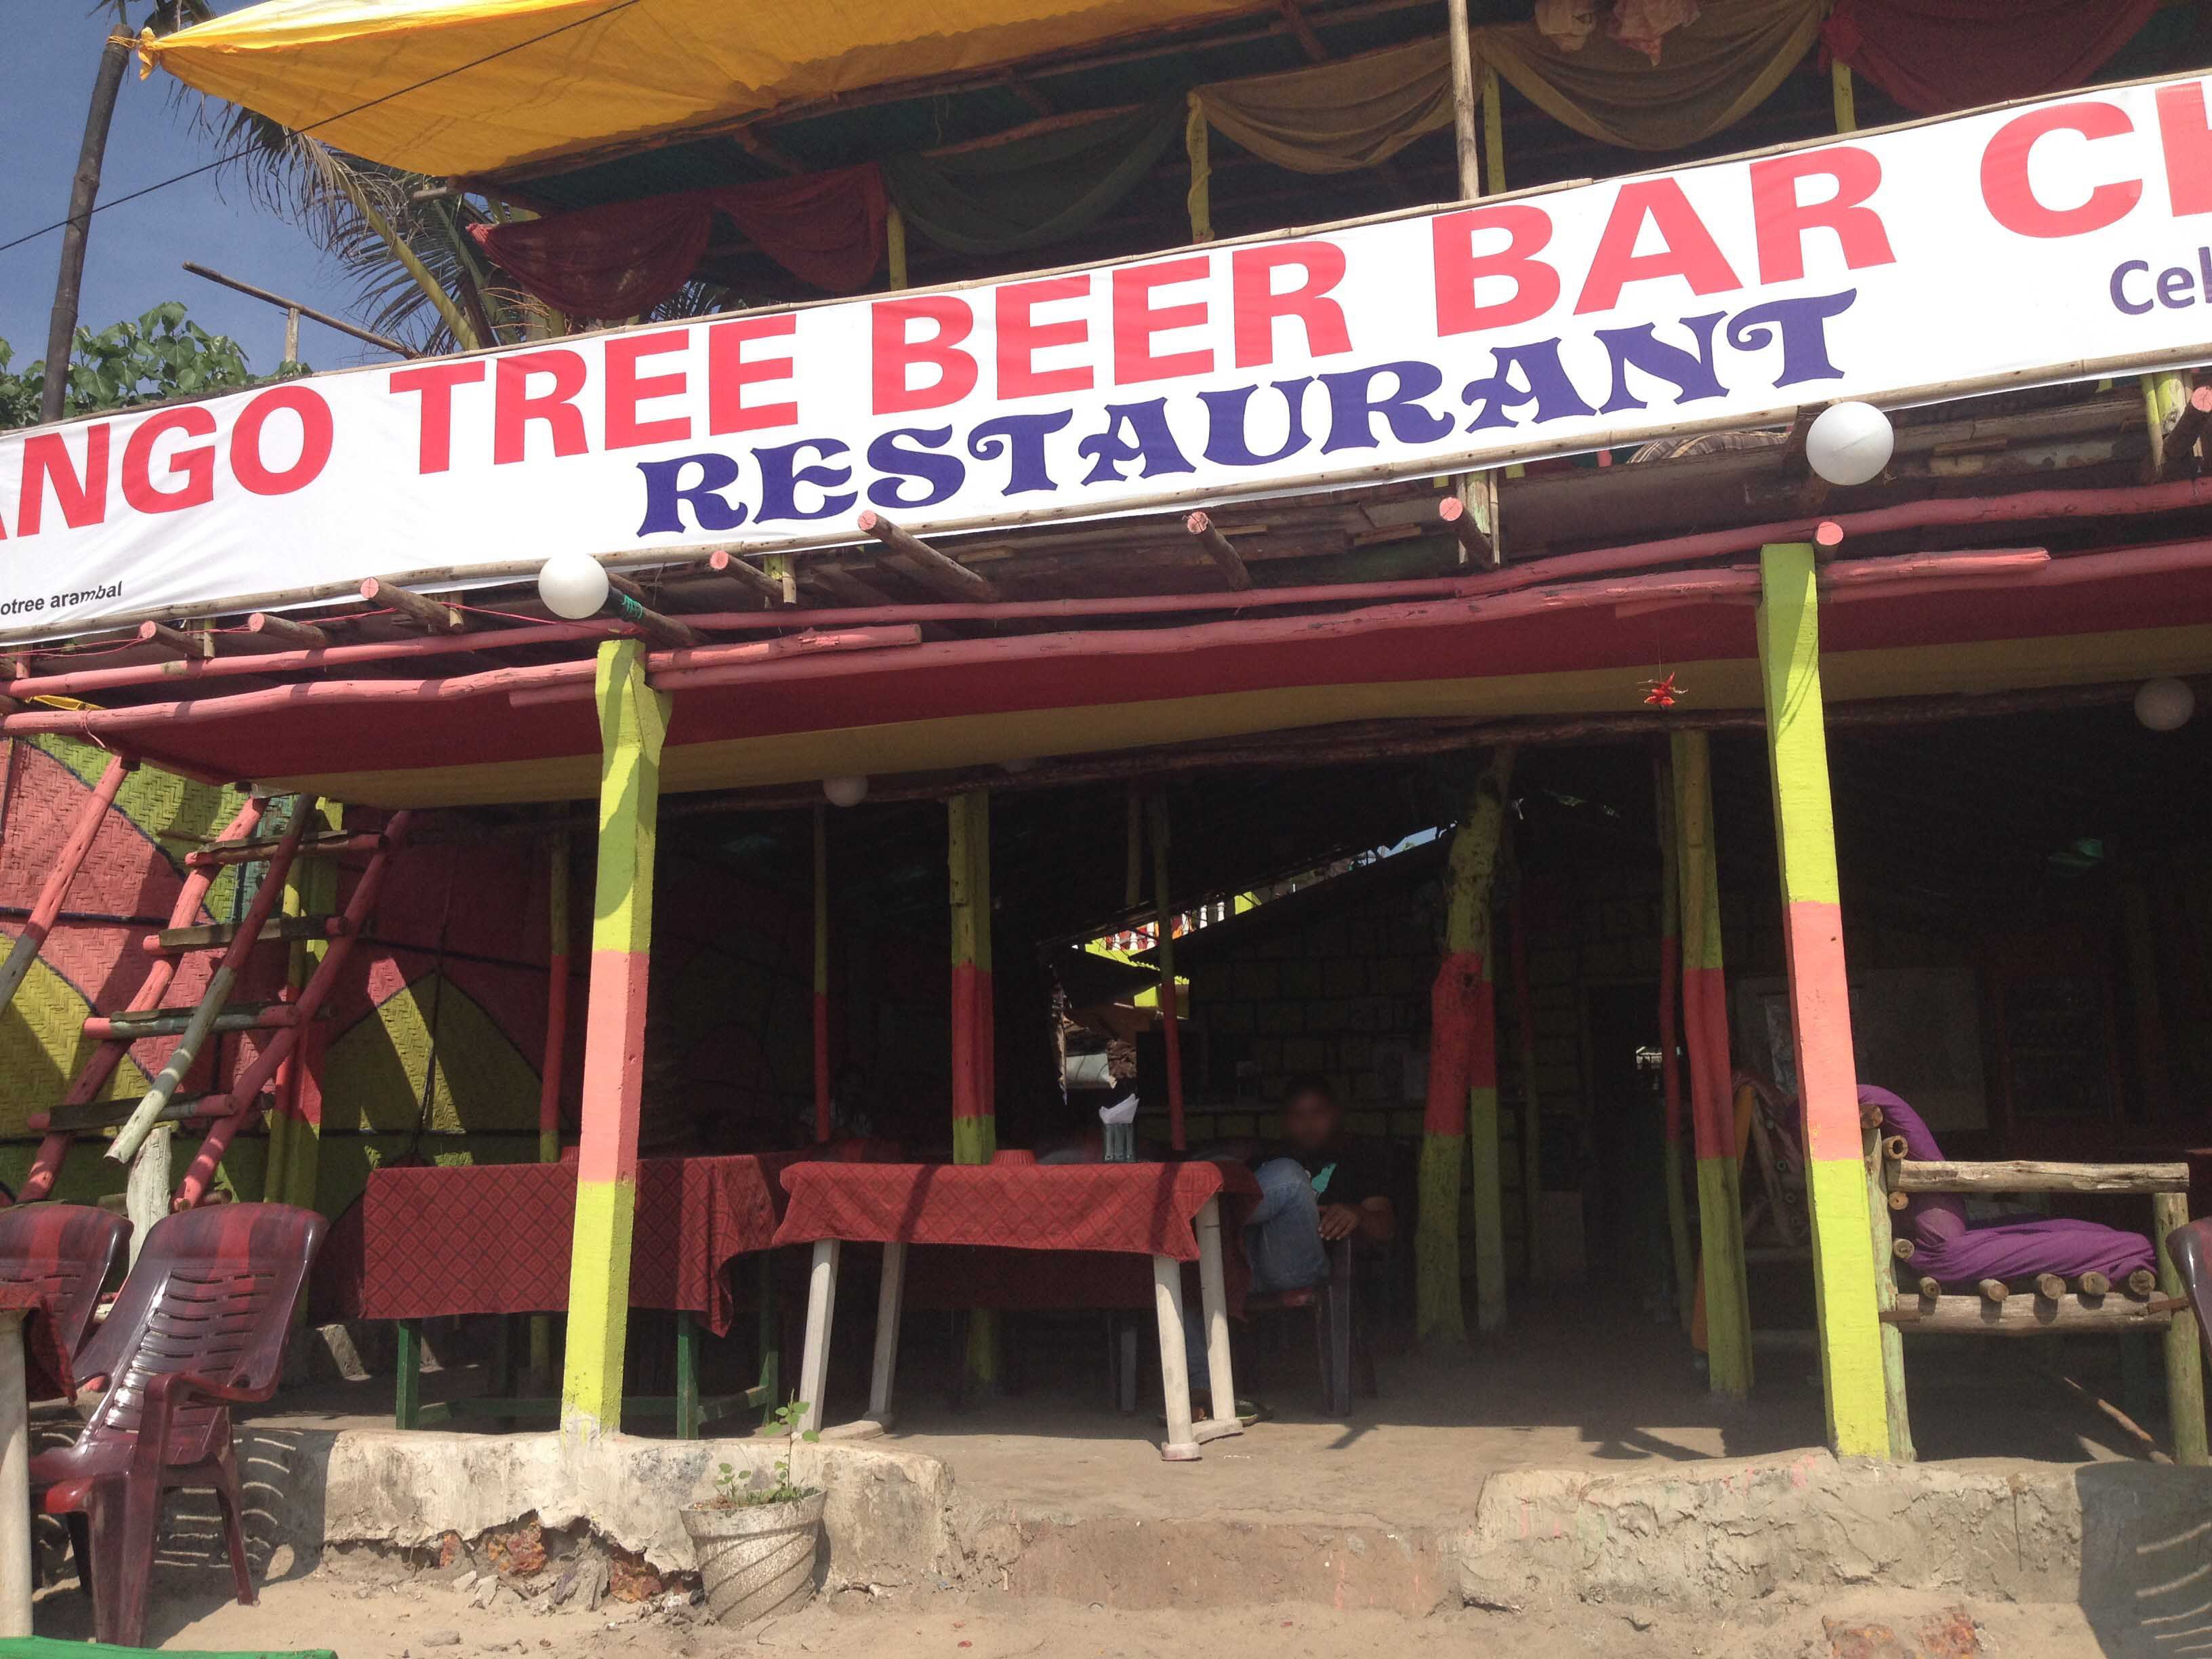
2049,1306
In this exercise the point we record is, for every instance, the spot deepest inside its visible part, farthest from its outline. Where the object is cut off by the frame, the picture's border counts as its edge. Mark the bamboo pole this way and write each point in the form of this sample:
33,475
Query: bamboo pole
47,909
553,1058
1720,1200
246,1092
1532,1117
311,889
1462,1086
132,1136
974,1124
2184,1369
2035,1315
633,722
895,248
1886,1256
1670,1067
1848,1283
1132,891
1475,491
2029,1176
1198,201
1163,954
975,1131
822,1126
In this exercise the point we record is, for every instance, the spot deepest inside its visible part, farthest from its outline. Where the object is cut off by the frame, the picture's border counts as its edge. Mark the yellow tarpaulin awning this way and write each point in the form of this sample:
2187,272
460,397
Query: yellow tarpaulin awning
475,87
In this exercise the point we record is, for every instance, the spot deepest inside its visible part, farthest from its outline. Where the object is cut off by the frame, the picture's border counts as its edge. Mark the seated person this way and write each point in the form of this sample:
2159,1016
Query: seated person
1319,1183
1958,1253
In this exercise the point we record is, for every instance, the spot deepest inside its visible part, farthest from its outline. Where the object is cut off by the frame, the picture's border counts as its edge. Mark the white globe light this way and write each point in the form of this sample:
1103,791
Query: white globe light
2165,705
572,584
1849,443
845,791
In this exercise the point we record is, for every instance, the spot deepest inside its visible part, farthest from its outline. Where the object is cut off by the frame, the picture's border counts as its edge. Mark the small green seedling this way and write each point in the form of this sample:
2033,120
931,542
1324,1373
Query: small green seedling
734,1489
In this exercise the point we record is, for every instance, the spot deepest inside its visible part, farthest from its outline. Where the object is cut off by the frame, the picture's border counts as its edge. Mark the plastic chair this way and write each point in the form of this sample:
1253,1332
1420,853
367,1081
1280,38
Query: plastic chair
200,1326
2191,1247
67,1251
1340,1337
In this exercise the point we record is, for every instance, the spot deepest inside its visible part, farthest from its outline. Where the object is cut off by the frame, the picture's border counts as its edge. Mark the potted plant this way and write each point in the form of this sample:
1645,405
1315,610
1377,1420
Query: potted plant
756,1545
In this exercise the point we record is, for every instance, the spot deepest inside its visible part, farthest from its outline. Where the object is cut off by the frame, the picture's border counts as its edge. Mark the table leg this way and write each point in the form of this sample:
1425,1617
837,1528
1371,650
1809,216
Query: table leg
890,1301
687,1375
501,1382
14,1482
1213,1305
1175,1373
814,1352
766,1390
407,1368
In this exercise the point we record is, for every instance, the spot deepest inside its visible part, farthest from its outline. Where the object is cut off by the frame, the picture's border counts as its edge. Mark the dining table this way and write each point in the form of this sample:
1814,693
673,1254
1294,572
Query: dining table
426,1241
1171,1213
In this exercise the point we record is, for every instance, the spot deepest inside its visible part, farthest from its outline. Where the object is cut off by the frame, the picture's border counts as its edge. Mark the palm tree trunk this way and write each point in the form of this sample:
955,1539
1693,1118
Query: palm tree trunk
84,191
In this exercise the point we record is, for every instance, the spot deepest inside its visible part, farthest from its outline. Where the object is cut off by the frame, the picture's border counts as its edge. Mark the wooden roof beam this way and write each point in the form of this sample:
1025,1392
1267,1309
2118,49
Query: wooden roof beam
175,642
413,607
1303,32
1217,549
269,629
844,587
936,571
1461,522
750,577
664,631
2181,441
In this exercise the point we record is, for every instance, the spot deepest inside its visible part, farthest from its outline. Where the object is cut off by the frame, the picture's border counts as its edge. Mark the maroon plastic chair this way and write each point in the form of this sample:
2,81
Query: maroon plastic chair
2191,1246
66,1251
1340,1337
199,1326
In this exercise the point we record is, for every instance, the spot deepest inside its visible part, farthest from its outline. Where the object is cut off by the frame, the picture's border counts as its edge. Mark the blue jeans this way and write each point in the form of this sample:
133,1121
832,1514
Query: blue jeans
1282,1242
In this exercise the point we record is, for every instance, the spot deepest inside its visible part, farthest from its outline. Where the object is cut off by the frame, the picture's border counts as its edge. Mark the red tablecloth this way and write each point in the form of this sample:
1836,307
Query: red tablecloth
496,1239
1025,1236
45,1367
1141,1209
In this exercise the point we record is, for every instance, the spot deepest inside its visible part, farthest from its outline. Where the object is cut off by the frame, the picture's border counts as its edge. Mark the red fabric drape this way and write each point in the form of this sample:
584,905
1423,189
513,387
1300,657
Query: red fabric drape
1937,55
825,228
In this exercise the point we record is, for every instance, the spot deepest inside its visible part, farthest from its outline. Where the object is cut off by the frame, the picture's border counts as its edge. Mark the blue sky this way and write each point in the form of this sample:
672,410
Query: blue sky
46,79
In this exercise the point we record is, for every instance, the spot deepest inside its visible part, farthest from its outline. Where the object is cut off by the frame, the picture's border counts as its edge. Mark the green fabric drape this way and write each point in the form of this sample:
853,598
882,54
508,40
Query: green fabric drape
1040,184
1712,73
1336,116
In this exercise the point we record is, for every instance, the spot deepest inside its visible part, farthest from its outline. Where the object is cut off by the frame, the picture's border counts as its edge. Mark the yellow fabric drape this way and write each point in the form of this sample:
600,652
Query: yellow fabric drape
1711,73
1336,116
474,86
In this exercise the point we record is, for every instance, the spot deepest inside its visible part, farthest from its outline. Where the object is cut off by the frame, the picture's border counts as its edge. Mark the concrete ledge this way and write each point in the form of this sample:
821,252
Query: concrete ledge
1133,1564
1709,1536
884,1522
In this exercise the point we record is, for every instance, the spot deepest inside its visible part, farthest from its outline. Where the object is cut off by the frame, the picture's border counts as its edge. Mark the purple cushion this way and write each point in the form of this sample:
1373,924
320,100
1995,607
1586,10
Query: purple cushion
1932,1217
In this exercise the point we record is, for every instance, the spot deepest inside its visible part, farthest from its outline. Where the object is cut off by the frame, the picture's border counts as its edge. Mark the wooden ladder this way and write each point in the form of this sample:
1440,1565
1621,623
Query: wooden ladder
227,1110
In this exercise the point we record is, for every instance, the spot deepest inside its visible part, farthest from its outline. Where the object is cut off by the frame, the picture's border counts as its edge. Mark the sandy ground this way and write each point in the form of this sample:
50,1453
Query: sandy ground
366,1612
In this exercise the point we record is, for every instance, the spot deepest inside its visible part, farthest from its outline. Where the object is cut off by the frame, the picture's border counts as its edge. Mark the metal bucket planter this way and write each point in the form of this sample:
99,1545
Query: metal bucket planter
756,1559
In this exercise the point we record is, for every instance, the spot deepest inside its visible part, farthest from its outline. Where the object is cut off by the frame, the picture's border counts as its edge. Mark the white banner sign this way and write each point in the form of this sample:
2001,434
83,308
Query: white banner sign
2052,241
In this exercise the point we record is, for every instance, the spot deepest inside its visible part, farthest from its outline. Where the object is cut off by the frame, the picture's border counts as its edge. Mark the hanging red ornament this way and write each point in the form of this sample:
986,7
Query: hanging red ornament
1662,693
